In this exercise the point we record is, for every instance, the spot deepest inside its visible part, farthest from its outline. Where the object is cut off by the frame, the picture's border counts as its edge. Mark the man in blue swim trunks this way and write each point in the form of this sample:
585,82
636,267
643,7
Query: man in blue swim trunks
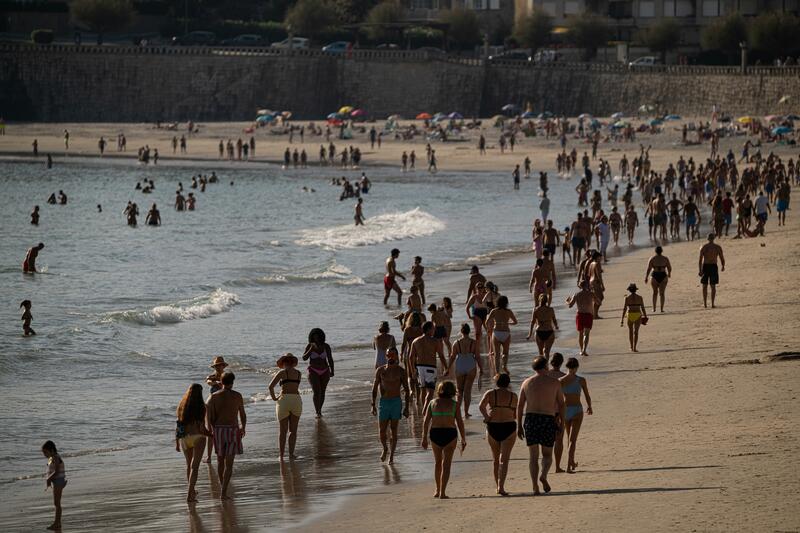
390,378
782,202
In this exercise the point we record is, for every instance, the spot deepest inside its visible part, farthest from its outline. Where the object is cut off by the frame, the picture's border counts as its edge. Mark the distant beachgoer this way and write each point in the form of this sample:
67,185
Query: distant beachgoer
191,434
381,343
49,163
660,269
320,366
555,372
466,356
62,198
542,403
214,384
390,379
417,271
153,217
423,358
499,319
441,326
584,300
515,175
389,282
56,477
358,215
35,215
571,385
27,317
499,408
225,411
635,310
543,321
475,277
709,273
289,405
29,263
51,199
442,417
477,311
66,139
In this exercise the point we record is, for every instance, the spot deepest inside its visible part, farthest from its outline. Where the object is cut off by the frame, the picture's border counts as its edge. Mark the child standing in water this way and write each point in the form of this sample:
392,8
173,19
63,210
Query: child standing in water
26,318
56,478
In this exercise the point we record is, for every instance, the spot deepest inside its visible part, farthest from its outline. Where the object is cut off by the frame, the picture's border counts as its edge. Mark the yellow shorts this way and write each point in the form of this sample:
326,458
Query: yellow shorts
189,441
634,316
288,404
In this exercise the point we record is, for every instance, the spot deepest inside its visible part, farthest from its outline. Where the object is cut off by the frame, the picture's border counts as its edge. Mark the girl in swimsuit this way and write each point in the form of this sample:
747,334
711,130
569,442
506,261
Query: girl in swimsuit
543,320
660,270
191,433
571,385
320,366
382,342
635,311
477,310
442,417
289,405
499,320
466,355
499,407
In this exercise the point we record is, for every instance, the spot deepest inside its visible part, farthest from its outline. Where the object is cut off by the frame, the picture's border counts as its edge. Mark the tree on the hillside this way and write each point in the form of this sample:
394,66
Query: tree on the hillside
588,31
387,12
775,34
662,37
463,30
725,35
103,16
310,17
352,11
534,30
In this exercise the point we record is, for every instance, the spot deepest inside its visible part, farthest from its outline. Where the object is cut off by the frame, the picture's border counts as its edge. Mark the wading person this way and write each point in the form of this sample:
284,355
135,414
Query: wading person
225,412
289,405
390,379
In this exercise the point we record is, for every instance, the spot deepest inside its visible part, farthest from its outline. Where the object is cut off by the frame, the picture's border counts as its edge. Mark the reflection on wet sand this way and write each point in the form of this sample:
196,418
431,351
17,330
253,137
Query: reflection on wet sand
390,475
293,488
195,522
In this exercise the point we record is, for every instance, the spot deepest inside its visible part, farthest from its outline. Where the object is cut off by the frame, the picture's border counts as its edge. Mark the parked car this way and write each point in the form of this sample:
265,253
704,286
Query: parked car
202,38
513,55
387,46
545,56
646,61
297,43
246,39
336,47
432,51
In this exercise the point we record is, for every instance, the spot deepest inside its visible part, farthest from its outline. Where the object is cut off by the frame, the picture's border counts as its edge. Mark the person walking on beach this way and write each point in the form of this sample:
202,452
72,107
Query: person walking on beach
214,383
27,318
191,434
499,320
555,372
56,477
320,366
515,176
358,215
389,281
543,321
390,379
289,405
710,253
542,404
29,263
498,407
441,426
423,358
571,386
153,217
636,313
466,356
381,344
659,270
584,301
417,271
225,412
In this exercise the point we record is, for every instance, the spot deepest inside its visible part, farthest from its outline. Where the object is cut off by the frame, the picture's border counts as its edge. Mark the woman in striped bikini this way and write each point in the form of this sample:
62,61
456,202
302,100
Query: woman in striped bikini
320,366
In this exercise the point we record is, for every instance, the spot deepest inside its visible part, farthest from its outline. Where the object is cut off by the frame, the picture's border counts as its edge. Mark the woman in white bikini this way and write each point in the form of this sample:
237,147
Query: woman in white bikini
499,319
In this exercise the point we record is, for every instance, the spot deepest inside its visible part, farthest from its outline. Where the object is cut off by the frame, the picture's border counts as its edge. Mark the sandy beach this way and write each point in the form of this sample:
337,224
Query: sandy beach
698,431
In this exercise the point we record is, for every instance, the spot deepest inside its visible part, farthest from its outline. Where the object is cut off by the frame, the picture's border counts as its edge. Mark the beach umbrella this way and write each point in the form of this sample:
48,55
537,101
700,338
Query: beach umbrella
656,122
511,109
672,117
261,119
646,108
394,117
595,123
455,116
622,124
528,114
286,114
585,116
424,116
784,99
356,113
772,118
781,130
792,117
618,115
345,109
745,120
334,116
261,112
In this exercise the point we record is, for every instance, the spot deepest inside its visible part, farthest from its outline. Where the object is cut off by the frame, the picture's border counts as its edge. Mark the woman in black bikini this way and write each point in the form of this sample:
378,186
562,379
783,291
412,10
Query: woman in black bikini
499,407
659,270
477,311
320,366
442,417
289,405
544,322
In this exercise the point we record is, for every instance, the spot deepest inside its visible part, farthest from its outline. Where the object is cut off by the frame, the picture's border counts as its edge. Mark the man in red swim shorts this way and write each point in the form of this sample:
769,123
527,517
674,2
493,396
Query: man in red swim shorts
584,300
389,282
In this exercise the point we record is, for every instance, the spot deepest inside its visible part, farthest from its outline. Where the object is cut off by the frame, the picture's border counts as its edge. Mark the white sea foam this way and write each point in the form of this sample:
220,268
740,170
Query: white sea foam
332,272
213,303
376,230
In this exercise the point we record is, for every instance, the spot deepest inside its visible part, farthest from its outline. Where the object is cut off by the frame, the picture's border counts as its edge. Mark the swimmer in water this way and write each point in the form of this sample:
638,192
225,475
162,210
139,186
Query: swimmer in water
153,217
417,271
35,215
29,263
27,317
359,212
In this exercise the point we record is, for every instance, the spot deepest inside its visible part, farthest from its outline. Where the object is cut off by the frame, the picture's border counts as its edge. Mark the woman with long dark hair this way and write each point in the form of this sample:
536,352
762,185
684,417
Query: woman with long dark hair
191,433
320,366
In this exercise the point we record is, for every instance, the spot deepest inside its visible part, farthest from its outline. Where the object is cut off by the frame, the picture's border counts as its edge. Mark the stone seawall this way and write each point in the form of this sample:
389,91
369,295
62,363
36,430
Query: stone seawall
65,83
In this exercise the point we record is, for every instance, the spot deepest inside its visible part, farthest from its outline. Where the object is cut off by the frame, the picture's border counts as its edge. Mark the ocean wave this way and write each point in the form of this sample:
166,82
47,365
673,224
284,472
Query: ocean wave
376,230
213,303
481,259
332,272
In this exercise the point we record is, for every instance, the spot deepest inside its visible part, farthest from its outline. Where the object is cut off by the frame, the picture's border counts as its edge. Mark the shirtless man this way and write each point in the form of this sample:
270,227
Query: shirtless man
389,282
594,273
359,213
578,237
417,271
29,263
225,410
153,217
631,221
707,264
550,266
475,277
390,378
540,280
422,359
615,222
551,239
542,403
692,214
584,300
